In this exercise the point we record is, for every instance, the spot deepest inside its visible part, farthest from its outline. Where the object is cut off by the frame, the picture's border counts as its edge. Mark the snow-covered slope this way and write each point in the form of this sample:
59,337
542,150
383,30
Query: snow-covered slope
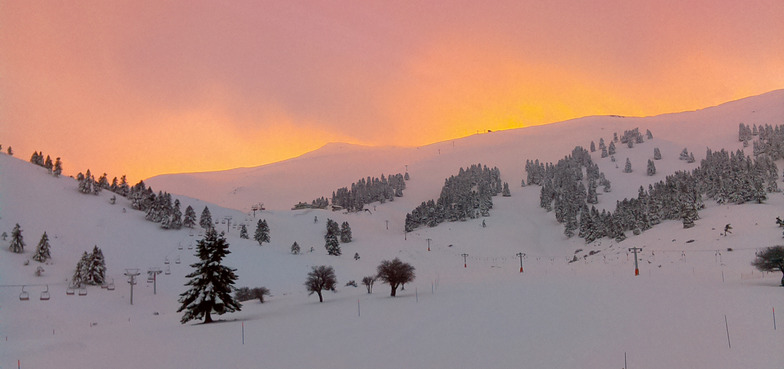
586,314
281,185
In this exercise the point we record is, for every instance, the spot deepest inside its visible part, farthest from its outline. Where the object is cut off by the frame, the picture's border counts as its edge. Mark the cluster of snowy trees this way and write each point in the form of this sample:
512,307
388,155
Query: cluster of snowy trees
91,269
262,232
88,184
366,191
160,208
467,195
17,244
770,142
54,169
343,232
725,177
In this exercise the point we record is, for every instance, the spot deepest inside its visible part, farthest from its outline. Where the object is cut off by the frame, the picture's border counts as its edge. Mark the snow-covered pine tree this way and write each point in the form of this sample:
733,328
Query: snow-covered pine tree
96,267
58,168
656,154
331,239
651,168
211,282
48,164
505,192
190,217
85,182
684,154
103,182
648,134
244,232
611,149
17,240
593,147
262,232
205,221
628,167
175,219
345,232
691,158
80,273
295,249
42,251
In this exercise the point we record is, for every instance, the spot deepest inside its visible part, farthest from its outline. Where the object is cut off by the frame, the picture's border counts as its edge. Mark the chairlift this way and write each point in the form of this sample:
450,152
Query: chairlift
24,296
110,287
104,285
70,290
177,261
179,245
168,271
83,291
190,246
45,294
166,260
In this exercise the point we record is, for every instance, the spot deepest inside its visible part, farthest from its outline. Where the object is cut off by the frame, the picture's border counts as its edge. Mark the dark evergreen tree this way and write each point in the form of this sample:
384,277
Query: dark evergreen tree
262,232
80,273
17,240
42,252
656,154
611,149
244,232
295,249
48,164
190,217
96,267
205,221
321,278
331,244
345,232
58,168
684,154
651,168
593,147
211,282
505,192
628,167
395,273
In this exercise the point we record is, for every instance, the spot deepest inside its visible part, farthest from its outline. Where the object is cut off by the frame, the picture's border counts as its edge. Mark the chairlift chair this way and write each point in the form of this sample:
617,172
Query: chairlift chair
168,271
166,260
83,291
177,261
24,296
45,294
70,290
110,287
179,246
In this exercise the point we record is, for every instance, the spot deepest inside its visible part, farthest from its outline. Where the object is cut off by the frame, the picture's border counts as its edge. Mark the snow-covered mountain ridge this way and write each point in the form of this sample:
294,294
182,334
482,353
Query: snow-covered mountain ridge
318,173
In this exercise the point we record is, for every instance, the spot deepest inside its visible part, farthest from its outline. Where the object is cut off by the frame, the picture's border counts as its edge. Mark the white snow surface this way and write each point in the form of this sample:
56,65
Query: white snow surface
592,313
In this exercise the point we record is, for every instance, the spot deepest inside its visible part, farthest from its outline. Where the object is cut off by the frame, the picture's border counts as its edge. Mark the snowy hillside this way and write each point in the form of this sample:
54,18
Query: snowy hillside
481,314
281,185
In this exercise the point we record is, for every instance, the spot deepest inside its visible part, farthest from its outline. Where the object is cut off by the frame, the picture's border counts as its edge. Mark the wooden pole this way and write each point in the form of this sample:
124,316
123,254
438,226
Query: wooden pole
728,331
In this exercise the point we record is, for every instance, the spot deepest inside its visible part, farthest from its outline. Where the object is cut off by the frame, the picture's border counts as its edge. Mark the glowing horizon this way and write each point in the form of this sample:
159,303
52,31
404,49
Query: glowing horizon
147,89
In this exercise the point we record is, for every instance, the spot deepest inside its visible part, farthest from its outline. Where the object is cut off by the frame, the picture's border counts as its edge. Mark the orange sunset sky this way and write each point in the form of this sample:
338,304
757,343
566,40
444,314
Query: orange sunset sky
151,87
